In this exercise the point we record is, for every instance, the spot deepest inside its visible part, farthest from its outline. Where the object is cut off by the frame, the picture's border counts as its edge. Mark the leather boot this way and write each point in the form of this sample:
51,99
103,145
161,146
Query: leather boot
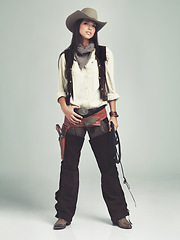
60,224
124,223
110,184
67,194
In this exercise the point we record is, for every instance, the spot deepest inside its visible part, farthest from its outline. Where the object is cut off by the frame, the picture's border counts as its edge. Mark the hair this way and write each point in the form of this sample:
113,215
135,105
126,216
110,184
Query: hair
76,39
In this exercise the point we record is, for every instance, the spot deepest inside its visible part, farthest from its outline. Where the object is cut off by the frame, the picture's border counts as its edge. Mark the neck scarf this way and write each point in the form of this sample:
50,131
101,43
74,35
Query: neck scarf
83,54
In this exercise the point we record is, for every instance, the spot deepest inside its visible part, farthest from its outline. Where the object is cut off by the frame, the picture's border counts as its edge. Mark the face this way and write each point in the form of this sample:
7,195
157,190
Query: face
87,29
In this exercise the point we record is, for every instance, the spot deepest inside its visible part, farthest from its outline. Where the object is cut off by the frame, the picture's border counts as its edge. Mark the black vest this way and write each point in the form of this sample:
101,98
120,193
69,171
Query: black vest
101,58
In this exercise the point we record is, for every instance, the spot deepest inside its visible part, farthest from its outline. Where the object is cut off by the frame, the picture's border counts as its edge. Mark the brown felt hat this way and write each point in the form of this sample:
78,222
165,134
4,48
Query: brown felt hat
86,13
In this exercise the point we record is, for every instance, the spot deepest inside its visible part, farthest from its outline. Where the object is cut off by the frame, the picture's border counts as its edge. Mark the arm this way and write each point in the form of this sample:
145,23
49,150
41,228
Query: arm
69,111
112,94
61,93
112,105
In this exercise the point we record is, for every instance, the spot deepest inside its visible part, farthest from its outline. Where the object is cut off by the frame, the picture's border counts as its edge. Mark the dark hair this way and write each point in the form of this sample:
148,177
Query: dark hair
76,39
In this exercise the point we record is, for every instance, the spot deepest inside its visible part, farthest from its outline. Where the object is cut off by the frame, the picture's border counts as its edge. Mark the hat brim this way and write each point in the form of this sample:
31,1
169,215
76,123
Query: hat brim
70,21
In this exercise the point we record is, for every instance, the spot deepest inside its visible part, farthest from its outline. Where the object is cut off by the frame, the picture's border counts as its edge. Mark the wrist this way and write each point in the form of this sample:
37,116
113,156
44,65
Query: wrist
113,114
63,107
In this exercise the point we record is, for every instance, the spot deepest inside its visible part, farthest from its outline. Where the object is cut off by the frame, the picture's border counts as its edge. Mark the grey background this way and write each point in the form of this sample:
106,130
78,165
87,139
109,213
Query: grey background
144,37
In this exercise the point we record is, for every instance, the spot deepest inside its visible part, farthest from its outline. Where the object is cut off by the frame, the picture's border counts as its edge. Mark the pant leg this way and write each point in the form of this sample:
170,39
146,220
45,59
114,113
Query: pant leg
67,194
110,184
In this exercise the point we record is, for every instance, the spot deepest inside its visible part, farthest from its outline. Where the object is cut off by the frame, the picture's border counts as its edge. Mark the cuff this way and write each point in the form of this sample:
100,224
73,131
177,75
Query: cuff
113,96
60,94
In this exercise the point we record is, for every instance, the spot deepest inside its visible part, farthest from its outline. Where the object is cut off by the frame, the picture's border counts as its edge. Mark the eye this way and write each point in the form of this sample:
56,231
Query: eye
94,25
85,23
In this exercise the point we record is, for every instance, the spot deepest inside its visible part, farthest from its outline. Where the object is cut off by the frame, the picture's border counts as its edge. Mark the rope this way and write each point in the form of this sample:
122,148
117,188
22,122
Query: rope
117,157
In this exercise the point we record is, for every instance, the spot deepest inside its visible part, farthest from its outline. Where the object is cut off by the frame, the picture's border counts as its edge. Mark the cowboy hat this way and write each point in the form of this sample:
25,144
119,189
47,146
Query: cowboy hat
86,13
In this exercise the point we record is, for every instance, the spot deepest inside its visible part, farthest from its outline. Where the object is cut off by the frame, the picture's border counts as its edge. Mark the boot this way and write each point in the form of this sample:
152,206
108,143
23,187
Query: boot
124,223
60,224
110,184
67,194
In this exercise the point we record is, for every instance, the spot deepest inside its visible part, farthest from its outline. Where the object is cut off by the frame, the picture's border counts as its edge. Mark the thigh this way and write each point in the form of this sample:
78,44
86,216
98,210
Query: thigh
98,130
77,131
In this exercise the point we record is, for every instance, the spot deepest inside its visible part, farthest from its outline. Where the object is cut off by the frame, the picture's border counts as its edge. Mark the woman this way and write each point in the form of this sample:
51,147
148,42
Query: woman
85,87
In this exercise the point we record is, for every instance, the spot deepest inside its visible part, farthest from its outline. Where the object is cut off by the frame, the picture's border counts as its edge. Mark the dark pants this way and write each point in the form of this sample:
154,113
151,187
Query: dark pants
112,191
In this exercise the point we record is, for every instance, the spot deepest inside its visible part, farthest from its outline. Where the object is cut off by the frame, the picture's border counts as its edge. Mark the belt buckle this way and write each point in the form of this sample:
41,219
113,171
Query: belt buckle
89,121
83,111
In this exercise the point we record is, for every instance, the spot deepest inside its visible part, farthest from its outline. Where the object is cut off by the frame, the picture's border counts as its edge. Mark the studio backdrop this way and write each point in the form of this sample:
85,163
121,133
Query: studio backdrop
144,37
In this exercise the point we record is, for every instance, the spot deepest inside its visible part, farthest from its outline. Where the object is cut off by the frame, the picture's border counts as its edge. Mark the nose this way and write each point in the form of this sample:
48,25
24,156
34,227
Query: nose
89,26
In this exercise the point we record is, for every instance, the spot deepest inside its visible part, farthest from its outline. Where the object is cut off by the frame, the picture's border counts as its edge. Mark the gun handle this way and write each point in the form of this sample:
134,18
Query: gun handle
58,129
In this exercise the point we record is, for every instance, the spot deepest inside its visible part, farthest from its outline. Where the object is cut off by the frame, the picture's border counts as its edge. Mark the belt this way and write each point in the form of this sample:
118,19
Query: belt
93,120
84,112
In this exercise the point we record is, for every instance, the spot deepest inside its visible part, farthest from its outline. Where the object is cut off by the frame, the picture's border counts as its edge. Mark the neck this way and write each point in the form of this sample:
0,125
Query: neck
85,42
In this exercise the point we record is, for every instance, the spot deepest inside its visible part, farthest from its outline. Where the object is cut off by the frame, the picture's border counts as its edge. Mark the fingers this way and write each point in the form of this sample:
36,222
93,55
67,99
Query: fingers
74,107
110,126
115,122
115,128
75,114
72,116
74,120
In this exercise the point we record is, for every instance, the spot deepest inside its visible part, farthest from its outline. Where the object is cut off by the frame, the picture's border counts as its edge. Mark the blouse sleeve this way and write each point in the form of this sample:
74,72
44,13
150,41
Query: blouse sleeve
62,81
111,93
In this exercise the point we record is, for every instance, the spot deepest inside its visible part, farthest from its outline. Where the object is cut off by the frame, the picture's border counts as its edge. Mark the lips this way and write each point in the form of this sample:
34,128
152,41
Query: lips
88,33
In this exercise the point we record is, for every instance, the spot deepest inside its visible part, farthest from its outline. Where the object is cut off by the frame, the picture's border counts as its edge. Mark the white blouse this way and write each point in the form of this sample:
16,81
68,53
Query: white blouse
86,82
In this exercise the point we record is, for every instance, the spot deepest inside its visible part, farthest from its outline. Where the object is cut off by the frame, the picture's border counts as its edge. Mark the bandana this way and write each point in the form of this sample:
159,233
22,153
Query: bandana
83,54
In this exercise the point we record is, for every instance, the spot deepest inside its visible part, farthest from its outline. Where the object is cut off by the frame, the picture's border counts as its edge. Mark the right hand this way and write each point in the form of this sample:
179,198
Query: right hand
73,117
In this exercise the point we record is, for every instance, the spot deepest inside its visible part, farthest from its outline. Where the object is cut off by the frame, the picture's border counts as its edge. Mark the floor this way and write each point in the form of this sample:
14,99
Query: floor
155,217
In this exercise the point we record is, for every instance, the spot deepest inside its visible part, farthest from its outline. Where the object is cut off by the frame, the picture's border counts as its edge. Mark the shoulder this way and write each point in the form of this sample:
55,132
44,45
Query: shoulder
104,53
109,53
61,59
63,54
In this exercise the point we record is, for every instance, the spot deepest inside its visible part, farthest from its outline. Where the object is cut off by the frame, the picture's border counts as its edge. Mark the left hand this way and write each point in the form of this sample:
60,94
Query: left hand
114,120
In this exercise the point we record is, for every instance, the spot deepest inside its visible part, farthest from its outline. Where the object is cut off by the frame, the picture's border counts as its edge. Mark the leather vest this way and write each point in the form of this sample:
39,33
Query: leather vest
101,58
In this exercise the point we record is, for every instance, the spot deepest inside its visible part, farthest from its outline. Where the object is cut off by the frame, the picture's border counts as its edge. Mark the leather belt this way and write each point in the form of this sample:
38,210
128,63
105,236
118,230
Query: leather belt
93,120
85,112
